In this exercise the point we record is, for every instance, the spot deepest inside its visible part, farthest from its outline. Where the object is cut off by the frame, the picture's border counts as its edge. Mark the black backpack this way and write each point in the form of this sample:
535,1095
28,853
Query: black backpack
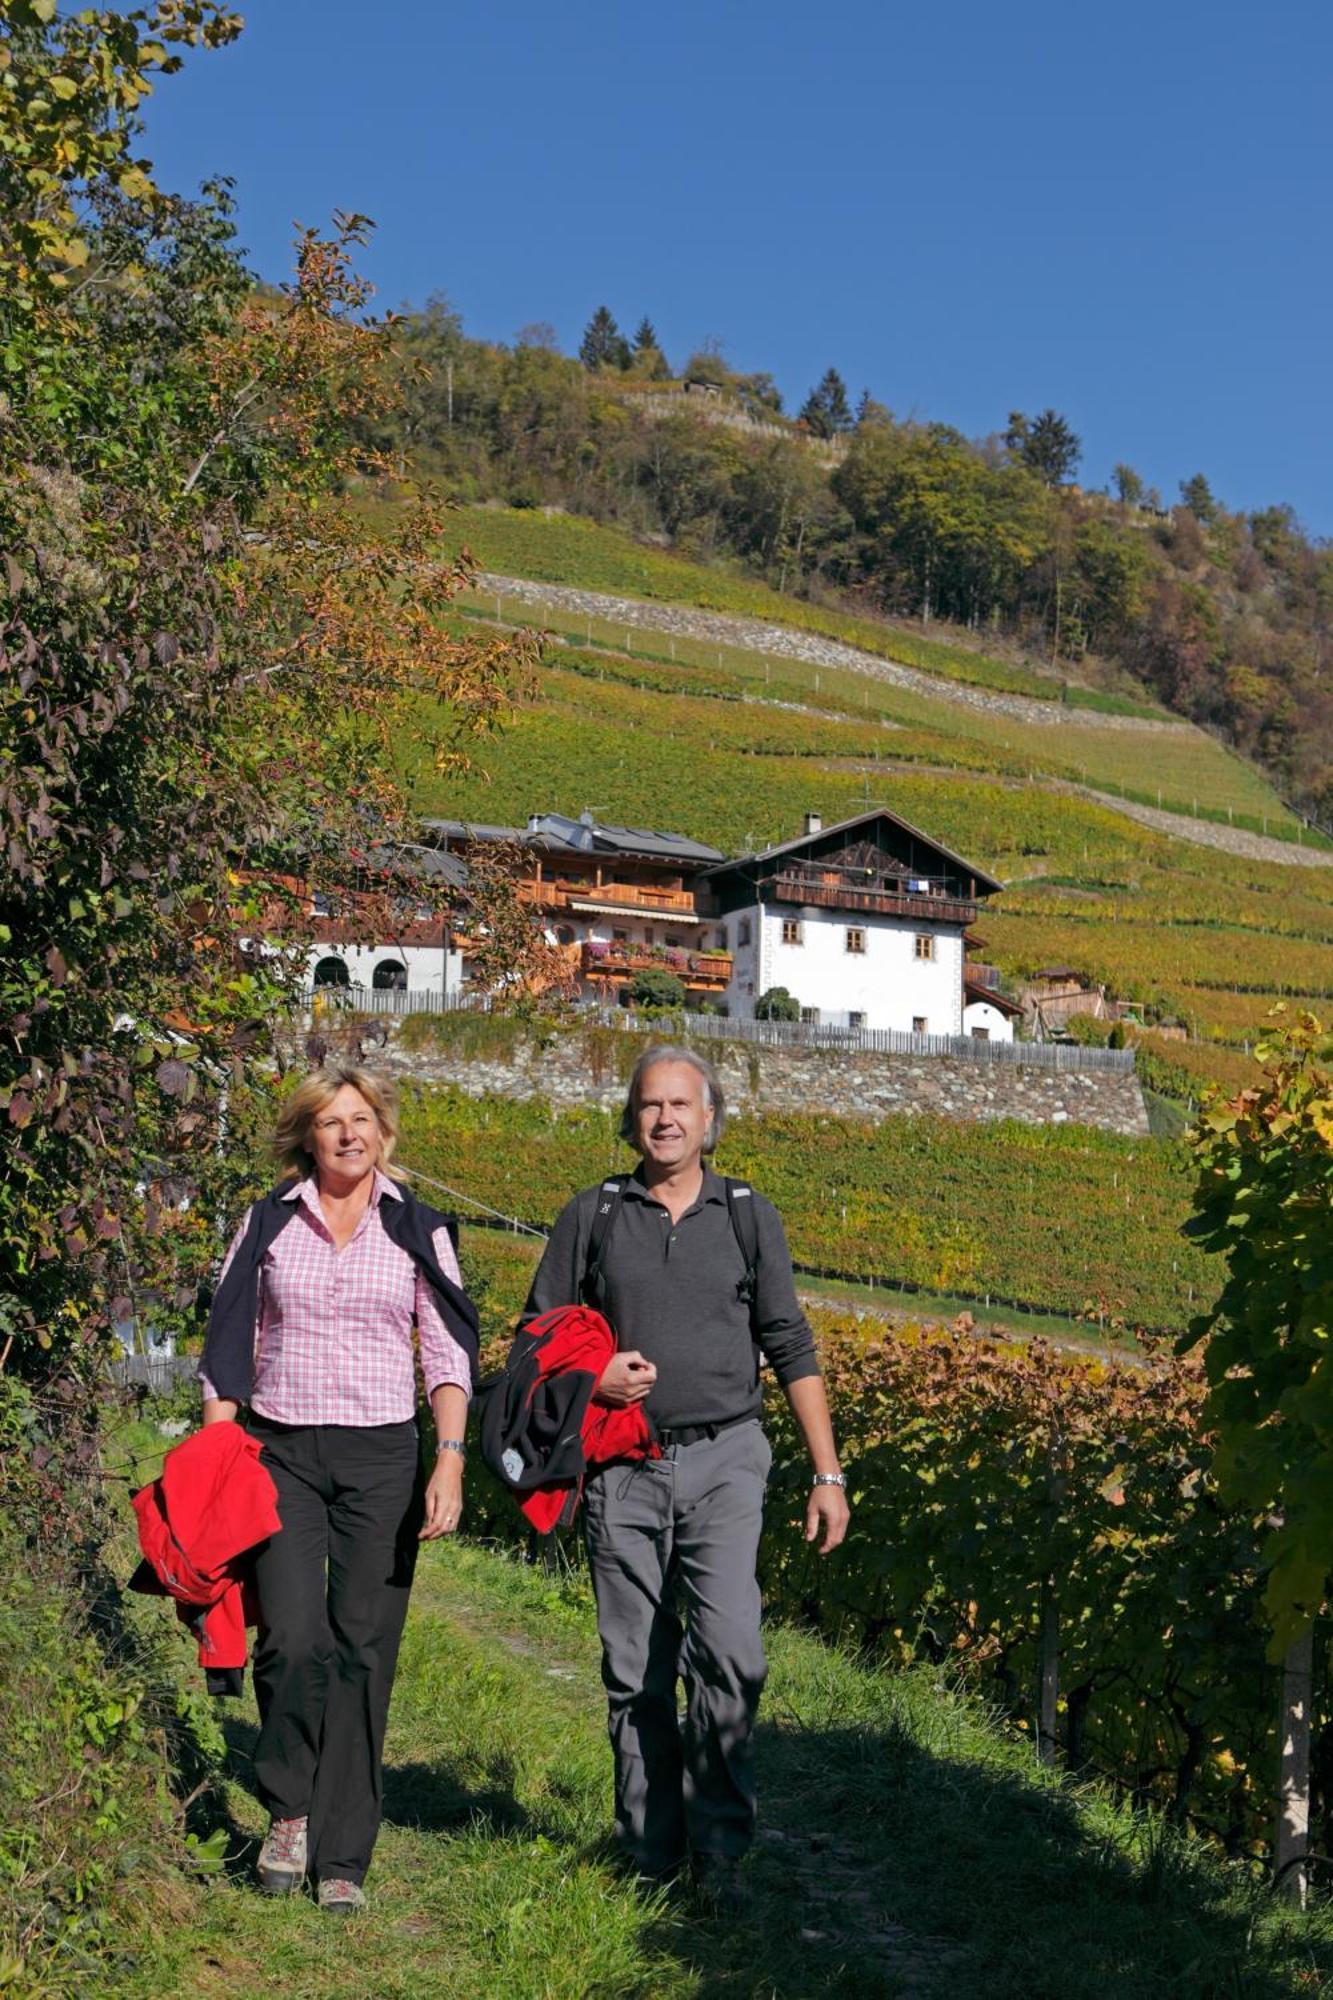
740,1208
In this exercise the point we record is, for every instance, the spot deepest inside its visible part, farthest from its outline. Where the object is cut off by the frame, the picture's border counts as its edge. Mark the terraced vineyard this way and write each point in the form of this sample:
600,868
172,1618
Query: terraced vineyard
1072,1221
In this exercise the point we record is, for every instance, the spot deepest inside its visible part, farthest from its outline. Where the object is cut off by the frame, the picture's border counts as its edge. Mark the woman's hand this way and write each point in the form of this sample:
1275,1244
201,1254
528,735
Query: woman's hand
444,1497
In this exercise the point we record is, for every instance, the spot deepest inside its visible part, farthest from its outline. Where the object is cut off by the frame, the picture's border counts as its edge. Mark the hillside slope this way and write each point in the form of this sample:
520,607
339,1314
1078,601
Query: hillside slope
654,726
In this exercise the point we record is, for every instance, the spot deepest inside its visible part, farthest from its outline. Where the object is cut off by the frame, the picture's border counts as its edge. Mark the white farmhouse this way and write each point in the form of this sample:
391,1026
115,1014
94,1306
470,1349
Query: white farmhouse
864,923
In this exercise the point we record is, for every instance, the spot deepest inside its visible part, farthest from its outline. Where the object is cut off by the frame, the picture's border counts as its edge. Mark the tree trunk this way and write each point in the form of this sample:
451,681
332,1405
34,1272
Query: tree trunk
1292,1844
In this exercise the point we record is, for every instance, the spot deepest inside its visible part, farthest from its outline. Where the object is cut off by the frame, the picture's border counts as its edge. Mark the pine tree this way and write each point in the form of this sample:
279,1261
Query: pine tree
1045,444
646,337
826,410
603,344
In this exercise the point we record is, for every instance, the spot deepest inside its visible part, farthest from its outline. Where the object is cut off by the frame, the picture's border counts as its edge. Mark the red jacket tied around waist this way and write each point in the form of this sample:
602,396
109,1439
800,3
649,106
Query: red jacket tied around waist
198,1522
541,1431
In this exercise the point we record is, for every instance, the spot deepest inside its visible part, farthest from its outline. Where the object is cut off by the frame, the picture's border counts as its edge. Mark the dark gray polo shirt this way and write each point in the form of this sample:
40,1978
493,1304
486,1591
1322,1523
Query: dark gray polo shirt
671,1292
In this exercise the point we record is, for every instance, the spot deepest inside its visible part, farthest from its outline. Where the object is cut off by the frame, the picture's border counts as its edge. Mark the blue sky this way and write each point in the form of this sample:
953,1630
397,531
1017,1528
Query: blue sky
1121,211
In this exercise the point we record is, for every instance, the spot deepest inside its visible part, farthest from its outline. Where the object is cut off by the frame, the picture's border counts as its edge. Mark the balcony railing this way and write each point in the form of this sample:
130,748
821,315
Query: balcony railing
855,897
700,971
559,893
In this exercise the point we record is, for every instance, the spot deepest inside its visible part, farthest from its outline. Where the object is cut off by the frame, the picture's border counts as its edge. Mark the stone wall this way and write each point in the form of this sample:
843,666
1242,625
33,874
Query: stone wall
589,1066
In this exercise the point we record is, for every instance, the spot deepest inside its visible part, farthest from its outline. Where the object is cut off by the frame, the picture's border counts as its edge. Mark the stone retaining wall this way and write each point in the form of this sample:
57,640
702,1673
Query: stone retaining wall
590,1067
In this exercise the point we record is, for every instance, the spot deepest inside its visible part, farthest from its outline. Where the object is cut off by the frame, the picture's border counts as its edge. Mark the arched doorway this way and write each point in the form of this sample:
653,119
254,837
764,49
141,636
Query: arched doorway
389,976
331,972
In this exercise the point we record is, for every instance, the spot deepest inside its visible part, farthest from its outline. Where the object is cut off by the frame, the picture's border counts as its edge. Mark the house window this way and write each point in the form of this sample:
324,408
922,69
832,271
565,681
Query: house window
648,934
856,1020
925,945
720,940
791,930
332,972
981,1034
673,941
856,939
811,1016
743,931
620,937
389,976
564,934
919,1025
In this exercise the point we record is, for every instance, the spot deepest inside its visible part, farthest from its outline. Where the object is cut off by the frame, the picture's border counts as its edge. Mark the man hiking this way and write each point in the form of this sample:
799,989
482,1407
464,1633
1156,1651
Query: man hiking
694,1274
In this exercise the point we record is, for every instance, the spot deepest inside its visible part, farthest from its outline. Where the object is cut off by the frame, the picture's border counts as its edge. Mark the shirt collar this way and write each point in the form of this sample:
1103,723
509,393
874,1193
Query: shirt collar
307,1190
712,1189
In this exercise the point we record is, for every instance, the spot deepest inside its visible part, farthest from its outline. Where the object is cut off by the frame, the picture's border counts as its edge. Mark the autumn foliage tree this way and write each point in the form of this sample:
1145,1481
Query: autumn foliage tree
202,656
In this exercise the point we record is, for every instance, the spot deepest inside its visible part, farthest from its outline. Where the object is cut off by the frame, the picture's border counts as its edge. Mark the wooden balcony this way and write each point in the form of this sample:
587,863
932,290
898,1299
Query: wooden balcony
698,972
858,900
559,893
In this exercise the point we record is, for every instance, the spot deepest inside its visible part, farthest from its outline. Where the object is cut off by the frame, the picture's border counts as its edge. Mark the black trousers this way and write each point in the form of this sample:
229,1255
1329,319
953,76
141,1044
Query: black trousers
333,1589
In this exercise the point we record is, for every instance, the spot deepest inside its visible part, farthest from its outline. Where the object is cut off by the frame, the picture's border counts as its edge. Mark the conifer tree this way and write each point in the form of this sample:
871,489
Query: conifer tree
646,337
826,410
603,344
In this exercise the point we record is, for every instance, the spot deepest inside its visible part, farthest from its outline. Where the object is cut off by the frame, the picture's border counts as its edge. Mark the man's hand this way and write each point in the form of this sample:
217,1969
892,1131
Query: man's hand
626,1380
444,1497
827,1512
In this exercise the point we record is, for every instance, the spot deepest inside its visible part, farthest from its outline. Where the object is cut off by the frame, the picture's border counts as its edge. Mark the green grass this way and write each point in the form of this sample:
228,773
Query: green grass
570,550
908,1846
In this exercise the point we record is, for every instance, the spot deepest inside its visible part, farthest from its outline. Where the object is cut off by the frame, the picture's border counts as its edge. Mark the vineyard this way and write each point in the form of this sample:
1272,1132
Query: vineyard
1068,1220
569,549
1189,771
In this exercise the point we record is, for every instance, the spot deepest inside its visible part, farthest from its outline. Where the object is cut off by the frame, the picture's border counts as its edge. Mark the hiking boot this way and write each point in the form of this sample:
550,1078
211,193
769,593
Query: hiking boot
340,1898
281,1864
719,1886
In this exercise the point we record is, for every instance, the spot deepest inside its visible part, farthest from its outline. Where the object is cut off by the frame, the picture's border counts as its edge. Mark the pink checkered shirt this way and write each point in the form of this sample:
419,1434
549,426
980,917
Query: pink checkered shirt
333,1342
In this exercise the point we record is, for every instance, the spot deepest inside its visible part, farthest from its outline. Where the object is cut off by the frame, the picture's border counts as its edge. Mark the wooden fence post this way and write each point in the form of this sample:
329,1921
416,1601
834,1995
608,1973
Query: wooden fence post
1292,1844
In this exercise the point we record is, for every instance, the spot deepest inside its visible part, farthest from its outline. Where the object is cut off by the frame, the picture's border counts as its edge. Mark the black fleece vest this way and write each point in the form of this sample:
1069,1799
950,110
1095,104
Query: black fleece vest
229,1356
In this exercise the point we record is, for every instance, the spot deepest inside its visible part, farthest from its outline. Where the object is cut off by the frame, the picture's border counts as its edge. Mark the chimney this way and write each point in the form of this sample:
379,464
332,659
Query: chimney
813,822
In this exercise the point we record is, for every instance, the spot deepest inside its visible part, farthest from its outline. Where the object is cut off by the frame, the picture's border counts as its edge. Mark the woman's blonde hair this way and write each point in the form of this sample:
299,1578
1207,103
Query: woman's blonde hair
291,1134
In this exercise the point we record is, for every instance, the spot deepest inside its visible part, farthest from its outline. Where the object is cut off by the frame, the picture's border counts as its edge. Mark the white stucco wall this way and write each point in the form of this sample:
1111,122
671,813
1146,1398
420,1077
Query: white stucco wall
886,983
430,969
980,1014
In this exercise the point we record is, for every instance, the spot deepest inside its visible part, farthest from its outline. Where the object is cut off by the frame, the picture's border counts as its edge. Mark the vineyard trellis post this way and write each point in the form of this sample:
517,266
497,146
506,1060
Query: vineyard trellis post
1048,1634
1291,1846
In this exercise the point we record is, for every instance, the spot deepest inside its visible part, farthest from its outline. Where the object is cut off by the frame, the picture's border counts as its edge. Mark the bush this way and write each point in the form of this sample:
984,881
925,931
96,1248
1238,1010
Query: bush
777,1004
654,988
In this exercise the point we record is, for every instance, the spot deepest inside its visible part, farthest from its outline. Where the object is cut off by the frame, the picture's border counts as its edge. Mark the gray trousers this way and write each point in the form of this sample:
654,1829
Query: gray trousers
672,1536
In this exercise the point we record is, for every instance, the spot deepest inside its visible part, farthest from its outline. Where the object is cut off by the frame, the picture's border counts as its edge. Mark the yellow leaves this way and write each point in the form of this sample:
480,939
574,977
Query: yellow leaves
135,184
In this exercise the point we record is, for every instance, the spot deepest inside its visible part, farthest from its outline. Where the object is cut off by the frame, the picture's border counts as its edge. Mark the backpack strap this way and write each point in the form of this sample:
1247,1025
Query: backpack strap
592,1291
740,1207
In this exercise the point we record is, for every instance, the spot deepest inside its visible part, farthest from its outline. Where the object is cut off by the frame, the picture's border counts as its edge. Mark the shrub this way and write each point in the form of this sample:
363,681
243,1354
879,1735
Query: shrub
777,1004
654,988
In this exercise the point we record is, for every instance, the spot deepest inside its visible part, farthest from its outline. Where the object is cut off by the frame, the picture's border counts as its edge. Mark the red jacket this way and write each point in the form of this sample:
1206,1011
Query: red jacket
543,1412
198,1521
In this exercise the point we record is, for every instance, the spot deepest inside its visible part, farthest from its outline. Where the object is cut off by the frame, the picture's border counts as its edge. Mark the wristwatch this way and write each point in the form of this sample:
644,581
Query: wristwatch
829,1479
450,1444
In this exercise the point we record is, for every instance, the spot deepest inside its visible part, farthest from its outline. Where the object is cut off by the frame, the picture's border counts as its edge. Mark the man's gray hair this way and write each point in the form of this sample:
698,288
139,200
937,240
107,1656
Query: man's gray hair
667,1052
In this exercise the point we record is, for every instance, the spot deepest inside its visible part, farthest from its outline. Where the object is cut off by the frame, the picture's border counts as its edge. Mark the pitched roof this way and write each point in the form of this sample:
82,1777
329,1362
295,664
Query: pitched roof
585,835
968,868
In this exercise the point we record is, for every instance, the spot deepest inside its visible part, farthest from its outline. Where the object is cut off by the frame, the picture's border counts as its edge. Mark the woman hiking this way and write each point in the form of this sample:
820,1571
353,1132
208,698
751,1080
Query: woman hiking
310,1344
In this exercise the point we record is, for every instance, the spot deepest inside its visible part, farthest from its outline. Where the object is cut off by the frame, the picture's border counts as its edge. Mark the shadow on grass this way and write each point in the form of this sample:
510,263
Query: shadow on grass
429,1798
884,1869
433,1798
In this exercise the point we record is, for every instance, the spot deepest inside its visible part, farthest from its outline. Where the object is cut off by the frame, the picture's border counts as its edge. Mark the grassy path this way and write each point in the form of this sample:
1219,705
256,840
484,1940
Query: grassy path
907,1849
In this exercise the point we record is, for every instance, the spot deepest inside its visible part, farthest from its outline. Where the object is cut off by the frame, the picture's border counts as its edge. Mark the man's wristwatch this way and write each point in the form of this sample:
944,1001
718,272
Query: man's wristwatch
829,1479
450,1444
